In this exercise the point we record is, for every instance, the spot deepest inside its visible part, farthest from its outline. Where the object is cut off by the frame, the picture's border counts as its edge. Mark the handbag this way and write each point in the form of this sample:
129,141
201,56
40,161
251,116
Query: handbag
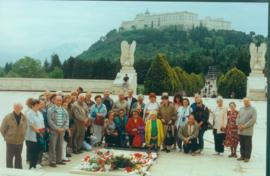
137,142
99,121
41,142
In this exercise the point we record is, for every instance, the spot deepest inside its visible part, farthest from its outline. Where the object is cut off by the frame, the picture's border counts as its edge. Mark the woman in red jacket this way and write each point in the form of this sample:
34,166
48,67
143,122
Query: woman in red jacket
135,129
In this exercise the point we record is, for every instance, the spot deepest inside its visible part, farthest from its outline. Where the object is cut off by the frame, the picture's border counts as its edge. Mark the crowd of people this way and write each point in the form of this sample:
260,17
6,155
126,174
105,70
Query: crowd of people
57,125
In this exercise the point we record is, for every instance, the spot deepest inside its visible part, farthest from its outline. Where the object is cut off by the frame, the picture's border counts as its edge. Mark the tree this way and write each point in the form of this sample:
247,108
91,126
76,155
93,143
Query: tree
159,77
8,67
27,67
2,72
68,67
234,82
55,62
141,66
46,65
56,73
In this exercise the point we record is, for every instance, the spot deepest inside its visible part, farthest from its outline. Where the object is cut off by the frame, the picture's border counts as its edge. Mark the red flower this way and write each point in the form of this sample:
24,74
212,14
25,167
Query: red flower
138,155
128,169
86,158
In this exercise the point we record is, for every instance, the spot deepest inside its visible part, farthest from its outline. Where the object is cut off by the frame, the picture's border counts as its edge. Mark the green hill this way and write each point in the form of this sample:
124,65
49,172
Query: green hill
193,50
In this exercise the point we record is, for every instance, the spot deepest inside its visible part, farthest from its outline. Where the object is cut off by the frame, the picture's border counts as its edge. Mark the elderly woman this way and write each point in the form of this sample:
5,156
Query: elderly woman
177,101
220,122
154,134
98,113
135,129
35,129
139,105
111,131
183,113
153,105
232,137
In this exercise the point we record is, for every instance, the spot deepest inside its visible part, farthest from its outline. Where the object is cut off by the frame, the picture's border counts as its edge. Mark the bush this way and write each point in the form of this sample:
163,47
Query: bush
56,73
234,82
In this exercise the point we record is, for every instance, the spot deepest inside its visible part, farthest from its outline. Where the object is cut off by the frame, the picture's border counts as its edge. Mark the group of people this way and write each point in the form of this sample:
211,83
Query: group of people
58,125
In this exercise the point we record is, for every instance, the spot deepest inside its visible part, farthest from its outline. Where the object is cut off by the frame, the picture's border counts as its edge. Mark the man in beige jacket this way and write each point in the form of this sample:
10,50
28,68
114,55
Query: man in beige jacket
13,129
167,115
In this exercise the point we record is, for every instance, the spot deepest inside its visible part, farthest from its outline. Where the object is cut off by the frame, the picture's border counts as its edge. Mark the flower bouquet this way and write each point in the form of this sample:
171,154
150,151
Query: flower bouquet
133,164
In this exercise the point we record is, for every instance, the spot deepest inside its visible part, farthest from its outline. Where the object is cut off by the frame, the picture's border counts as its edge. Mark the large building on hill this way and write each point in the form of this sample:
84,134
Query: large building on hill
185,20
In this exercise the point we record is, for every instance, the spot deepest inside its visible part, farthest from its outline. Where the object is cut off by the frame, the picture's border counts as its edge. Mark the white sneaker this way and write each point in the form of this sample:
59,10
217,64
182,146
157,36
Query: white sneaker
38,166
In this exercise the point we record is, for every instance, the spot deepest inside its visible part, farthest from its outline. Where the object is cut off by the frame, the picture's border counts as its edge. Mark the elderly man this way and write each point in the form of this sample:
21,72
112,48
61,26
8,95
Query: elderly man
167,115
107,100
201,114
130,101
121,104
189,134
246,120
88,99
80,115
58,121
13,129
139,105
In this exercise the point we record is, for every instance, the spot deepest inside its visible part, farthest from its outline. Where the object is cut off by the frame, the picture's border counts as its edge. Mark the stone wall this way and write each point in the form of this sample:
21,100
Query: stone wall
41,84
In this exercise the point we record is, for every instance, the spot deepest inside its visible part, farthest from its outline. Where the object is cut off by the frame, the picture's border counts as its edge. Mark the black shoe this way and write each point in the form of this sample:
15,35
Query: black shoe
52,165
168,151
164,149
61,163
75,152
241,159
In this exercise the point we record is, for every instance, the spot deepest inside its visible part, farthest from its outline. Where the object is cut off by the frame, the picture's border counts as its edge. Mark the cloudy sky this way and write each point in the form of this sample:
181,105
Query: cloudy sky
40,28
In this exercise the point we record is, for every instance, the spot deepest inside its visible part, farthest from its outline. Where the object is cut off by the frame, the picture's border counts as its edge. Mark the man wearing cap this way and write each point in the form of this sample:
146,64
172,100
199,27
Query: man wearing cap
167,115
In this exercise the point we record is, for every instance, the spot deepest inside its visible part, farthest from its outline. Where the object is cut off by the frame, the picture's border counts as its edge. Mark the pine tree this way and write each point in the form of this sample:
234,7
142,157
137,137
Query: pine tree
46,65
55,62
159,76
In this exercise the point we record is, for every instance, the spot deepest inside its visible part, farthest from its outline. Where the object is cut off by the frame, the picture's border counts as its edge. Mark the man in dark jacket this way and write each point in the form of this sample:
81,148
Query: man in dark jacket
201,114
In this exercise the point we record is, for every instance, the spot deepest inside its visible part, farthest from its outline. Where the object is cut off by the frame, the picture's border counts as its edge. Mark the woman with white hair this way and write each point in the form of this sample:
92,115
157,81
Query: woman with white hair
154,134
219,125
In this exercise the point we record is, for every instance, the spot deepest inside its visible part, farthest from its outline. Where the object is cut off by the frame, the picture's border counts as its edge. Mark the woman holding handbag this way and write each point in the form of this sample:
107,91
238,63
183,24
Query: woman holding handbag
135,129
98,113
34,132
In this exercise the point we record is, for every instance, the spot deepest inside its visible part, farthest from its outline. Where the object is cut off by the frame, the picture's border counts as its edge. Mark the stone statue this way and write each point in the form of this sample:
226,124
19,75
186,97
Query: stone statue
257,57
127,53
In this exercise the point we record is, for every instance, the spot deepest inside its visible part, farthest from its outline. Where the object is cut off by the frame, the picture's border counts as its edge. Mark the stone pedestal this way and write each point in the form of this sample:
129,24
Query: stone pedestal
118,83
256,86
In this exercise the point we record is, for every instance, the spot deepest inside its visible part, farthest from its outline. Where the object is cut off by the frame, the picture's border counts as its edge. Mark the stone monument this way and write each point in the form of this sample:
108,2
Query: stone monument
257,83
127,77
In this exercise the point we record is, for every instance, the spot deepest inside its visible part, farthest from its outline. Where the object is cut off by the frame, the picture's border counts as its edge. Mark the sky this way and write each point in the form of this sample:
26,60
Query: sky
41,28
